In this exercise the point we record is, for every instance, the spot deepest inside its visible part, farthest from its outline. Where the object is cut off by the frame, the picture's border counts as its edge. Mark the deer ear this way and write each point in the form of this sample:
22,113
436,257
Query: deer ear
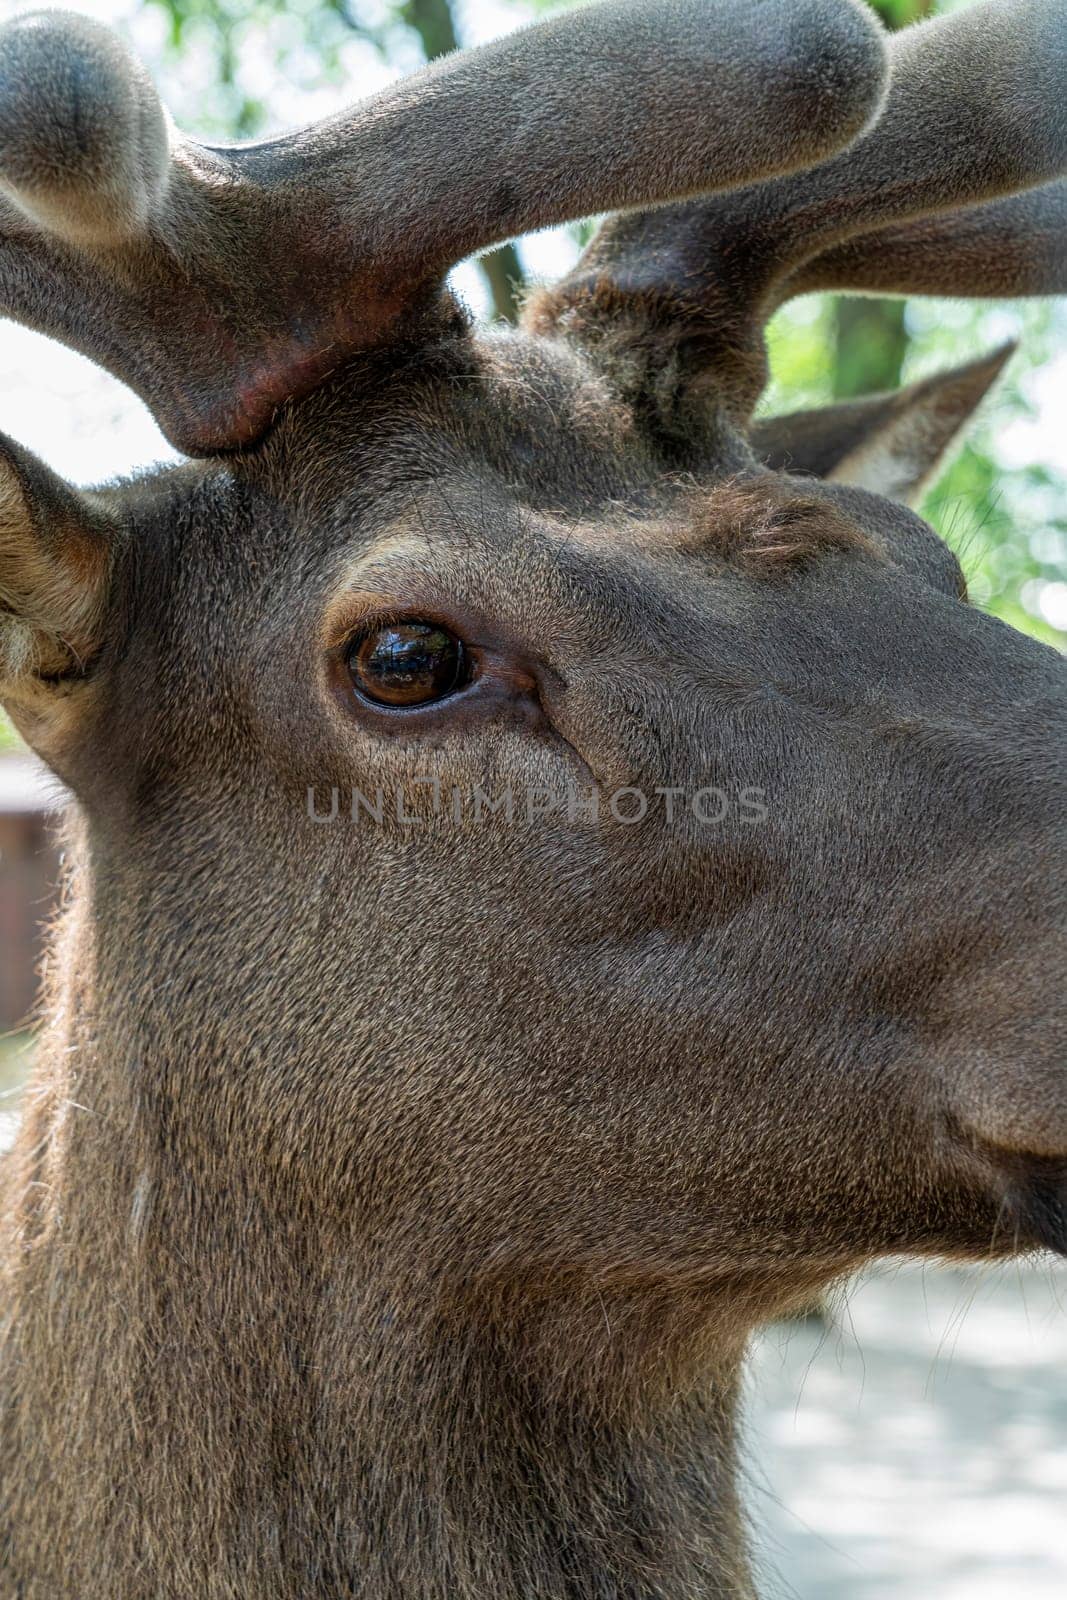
892,444
55,558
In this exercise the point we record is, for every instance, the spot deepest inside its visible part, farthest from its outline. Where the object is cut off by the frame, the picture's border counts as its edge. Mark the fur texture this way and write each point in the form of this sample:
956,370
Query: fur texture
396,1195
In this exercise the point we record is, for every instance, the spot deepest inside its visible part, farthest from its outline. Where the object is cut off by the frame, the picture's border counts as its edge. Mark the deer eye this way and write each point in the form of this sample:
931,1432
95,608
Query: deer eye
407,664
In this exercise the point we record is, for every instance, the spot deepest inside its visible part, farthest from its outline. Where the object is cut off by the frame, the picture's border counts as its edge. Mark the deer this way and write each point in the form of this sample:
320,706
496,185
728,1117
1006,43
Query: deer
397,1195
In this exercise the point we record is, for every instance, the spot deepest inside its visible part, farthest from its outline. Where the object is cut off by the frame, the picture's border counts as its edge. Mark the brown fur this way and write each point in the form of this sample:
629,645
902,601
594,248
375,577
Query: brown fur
394,1200
55,554
764,528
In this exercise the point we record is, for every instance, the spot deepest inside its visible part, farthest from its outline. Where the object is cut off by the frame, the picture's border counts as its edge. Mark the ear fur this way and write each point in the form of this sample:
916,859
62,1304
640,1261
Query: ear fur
55,557
892,444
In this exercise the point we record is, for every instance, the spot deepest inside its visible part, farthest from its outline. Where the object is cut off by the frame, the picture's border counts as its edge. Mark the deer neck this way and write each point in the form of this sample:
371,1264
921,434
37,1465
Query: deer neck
213,1387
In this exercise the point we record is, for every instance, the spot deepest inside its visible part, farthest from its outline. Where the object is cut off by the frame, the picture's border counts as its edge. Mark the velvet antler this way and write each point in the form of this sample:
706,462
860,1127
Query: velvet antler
221,282
926,201
1016,246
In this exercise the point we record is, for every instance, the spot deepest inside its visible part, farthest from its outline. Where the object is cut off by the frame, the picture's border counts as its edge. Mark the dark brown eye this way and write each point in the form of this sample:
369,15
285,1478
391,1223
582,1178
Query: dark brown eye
407,664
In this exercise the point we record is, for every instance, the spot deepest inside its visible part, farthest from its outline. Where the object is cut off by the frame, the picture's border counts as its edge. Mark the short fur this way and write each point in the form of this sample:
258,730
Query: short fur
395,1199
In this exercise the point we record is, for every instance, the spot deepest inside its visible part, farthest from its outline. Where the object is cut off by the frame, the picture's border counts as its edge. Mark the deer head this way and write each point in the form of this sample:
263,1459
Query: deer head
399,1190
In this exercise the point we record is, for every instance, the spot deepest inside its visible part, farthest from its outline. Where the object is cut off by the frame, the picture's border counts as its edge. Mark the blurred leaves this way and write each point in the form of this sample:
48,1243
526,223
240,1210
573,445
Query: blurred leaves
900,13
1004,514
1002,502
306,45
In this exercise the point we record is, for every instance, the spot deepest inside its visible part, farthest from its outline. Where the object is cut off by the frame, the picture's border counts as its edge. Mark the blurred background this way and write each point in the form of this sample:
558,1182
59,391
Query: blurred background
913,1441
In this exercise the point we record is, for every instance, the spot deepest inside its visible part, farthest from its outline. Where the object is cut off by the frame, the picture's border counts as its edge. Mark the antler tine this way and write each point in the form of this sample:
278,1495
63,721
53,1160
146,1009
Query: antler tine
983,90
1016,246
219,283
976,111
94,180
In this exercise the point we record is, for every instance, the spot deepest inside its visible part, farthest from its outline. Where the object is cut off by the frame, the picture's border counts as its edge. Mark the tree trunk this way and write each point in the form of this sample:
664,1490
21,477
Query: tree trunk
870,343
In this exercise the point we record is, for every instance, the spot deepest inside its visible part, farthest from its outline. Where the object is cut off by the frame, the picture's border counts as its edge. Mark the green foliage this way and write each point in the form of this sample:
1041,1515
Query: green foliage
304,38
1007,522
900,13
